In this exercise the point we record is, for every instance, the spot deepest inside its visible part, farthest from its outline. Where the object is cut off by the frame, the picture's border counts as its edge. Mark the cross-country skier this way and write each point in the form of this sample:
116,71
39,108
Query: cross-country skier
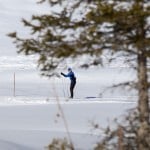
72,79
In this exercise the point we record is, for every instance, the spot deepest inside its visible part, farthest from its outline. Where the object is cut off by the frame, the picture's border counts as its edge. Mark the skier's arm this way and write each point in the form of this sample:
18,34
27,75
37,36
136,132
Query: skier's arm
63,74
68,75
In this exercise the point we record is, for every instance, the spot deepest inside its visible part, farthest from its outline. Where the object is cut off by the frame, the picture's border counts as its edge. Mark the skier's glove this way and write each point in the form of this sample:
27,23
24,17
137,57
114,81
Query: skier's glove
61,73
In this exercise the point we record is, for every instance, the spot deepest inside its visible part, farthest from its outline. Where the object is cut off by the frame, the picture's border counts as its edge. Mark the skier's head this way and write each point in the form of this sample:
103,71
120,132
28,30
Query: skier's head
69,69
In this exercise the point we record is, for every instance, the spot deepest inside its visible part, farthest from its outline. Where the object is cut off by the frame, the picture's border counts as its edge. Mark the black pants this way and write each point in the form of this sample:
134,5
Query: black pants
72,85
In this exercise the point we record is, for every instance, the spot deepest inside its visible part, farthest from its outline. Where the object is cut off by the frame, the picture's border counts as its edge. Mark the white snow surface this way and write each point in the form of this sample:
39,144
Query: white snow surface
30,118
28,123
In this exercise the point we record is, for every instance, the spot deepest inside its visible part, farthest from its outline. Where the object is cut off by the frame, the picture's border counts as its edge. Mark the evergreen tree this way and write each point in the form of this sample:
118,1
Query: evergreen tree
92,27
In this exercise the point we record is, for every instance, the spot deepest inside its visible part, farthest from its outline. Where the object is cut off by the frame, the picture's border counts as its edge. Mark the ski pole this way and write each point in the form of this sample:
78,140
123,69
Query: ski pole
63,87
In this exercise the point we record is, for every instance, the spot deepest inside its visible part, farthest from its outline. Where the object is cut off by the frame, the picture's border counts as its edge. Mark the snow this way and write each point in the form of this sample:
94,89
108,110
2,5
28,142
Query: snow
34,124
31,118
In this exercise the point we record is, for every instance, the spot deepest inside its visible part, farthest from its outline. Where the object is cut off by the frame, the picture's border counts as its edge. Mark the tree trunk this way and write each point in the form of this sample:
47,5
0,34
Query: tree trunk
143,104
120,138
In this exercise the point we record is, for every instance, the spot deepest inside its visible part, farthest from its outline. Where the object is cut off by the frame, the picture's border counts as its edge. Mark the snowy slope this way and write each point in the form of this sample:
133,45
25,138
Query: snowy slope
34,125
6,145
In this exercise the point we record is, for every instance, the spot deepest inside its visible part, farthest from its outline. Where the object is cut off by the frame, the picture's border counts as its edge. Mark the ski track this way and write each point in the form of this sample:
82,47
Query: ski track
55,100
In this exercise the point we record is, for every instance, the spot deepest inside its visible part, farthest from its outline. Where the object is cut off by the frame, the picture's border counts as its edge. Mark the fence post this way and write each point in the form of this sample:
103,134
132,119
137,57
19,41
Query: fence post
14,84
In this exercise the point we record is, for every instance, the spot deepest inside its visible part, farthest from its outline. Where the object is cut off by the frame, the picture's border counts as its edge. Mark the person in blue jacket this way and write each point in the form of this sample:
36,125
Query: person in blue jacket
72,77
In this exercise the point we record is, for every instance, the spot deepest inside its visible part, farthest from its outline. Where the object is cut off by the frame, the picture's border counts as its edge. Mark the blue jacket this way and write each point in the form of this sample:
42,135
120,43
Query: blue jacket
70,75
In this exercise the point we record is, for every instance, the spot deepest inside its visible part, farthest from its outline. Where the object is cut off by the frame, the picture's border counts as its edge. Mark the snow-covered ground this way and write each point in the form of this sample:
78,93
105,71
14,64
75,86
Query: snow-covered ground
33,125
29,120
